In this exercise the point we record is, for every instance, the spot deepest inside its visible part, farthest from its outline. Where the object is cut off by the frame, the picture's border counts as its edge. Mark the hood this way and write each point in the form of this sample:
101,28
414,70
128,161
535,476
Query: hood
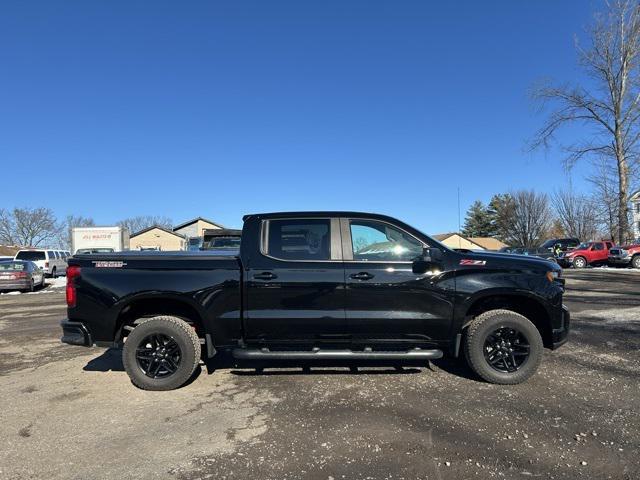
508,260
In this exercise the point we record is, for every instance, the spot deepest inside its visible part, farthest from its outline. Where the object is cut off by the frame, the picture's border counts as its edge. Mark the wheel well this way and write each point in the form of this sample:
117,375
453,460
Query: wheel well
525,306
152,307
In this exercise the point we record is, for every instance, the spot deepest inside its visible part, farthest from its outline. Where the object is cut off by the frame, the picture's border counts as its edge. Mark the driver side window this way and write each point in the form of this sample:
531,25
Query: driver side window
379,242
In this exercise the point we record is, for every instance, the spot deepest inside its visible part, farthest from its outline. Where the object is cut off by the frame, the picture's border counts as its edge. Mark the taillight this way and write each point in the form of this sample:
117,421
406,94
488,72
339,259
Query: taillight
72,273
46,264
20,275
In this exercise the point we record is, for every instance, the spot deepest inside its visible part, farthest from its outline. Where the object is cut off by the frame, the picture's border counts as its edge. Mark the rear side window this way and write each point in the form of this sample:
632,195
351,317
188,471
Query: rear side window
30,255
50,254
298,239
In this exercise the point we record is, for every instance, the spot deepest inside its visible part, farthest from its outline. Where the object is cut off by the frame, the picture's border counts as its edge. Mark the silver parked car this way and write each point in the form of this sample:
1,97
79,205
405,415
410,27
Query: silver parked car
20,275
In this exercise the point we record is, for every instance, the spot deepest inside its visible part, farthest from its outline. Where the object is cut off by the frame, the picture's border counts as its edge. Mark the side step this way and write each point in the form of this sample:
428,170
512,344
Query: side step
318,354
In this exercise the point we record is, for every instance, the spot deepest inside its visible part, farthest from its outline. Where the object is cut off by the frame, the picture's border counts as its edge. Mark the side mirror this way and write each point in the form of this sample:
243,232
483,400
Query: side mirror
431,259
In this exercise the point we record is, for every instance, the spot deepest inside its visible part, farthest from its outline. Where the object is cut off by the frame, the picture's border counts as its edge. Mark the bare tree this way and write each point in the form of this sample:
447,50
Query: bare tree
576,214
605,199
70,222
29,226
7,228
135,224
530,218
610,106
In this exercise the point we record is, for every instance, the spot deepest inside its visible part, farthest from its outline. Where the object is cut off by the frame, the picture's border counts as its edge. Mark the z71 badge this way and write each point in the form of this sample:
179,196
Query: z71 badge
108,264
468,261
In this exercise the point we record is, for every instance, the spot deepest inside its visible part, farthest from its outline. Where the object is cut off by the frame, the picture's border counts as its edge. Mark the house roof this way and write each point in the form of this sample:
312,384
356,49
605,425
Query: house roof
441,237
194,220
159,227
489,243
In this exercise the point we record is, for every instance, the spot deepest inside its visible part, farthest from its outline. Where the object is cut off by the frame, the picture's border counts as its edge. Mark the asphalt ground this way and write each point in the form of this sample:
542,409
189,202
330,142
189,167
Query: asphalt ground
72,413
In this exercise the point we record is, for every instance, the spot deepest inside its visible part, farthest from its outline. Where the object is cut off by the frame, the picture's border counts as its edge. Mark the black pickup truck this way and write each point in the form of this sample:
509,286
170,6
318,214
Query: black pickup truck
315,287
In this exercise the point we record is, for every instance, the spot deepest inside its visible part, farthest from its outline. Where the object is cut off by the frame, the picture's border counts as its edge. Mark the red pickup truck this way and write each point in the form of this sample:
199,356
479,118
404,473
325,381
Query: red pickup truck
627,255
587,253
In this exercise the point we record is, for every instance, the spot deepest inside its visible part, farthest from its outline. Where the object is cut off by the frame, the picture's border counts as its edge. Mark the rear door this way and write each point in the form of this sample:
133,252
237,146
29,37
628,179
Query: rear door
294,287
385,299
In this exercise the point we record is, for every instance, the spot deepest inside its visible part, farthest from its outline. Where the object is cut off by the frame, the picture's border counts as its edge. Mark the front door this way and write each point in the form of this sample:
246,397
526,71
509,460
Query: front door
385,299
295,286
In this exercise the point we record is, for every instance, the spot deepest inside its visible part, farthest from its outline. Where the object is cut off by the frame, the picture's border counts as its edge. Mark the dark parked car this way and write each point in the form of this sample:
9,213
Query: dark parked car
628,255
20,275
318,287
221,239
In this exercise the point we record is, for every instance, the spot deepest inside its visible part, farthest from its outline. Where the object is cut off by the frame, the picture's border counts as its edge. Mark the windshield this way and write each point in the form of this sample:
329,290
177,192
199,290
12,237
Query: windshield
13,266
548,243
30,255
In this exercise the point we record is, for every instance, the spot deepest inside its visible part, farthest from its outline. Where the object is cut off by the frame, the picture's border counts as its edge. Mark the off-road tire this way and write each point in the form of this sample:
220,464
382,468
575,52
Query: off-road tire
474,343
580,262
635,261
183,334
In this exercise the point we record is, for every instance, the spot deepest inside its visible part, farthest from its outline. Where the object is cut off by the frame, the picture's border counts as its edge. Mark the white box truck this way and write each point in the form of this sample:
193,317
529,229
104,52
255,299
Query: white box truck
99,239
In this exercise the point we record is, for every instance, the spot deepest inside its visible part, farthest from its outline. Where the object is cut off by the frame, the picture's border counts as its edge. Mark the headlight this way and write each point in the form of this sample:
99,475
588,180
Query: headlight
553,275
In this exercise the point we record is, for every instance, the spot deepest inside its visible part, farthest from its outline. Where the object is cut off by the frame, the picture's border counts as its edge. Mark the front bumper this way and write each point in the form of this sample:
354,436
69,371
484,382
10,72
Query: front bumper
559,336
616,260
75,333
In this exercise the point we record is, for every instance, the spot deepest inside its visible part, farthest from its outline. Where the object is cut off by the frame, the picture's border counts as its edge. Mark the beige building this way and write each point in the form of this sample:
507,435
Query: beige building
195,227
488,243
455,240
157,238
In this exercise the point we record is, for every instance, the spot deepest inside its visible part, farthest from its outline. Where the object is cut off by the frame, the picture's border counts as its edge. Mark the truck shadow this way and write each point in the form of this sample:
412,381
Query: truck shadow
111,361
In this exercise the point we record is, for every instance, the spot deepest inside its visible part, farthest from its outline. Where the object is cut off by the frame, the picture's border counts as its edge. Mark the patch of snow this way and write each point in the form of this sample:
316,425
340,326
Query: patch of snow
59,282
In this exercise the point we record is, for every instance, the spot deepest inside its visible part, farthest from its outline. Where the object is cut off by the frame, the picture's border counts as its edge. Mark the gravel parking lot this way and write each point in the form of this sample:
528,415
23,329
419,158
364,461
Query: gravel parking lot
70,412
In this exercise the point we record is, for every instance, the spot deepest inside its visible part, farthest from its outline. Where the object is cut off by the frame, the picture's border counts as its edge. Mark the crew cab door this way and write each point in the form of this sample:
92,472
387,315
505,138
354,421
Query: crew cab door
385,299
294,287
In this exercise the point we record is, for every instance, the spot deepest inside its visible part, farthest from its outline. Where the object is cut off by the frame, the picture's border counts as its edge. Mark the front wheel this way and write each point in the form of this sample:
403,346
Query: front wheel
580,262
635,261
161,353
503,347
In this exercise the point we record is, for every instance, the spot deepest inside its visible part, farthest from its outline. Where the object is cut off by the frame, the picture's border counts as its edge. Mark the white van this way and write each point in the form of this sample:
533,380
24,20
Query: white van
52,262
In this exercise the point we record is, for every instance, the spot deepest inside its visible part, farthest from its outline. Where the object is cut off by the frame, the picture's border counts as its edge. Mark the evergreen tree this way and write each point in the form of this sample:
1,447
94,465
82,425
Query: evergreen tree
477,223
500,211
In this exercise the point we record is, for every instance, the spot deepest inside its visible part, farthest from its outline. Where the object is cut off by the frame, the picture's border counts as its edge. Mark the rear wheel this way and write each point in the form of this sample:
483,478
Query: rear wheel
635,261
503,347
161,353
580,262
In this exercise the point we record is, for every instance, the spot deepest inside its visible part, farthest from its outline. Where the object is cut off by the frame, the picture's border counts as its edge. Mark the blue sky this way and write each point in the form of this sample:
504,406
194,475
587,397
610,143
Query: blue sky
112,109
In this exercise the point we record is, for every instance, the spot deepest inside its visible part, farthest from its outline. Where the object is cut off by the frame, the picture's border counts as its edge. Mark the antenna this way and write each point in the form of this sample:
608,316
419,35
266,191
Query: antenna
459,229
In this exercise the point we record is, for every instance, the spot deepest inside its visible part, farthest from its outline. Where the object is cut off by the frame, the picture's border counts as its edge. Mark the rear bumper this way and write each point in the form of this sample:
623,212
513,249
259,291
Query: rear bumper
75,333
561,335
15,284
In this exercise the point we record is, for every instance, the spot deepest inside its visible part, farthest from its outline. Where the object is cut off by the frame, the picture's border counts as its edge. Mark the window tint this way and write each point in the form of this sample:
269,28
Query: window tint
30,255
377,241
299,239
598,246
50,254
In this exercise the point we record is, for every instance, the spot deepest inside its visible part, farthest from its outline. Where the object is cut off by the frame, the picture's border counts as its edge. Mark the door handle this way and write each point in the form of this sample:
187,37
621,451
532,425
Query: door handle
361,276
265,276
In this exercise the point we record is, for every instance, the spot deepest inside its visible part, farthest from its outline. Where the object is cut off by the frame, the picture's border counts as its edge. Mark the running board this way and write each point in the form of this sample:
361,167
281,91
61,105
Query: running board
317,354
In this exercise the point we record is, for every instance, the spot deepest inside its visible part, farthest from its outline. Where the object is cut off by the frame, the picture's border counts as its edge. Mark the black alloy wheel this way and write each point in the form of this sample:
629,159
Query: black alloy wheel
506,349
158,356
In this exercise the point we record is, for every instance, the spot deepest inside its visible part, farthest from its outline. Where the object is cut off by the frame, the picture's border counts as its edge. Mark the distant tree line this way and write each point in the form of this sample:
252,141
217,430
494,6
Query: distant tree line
525,218
39,227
